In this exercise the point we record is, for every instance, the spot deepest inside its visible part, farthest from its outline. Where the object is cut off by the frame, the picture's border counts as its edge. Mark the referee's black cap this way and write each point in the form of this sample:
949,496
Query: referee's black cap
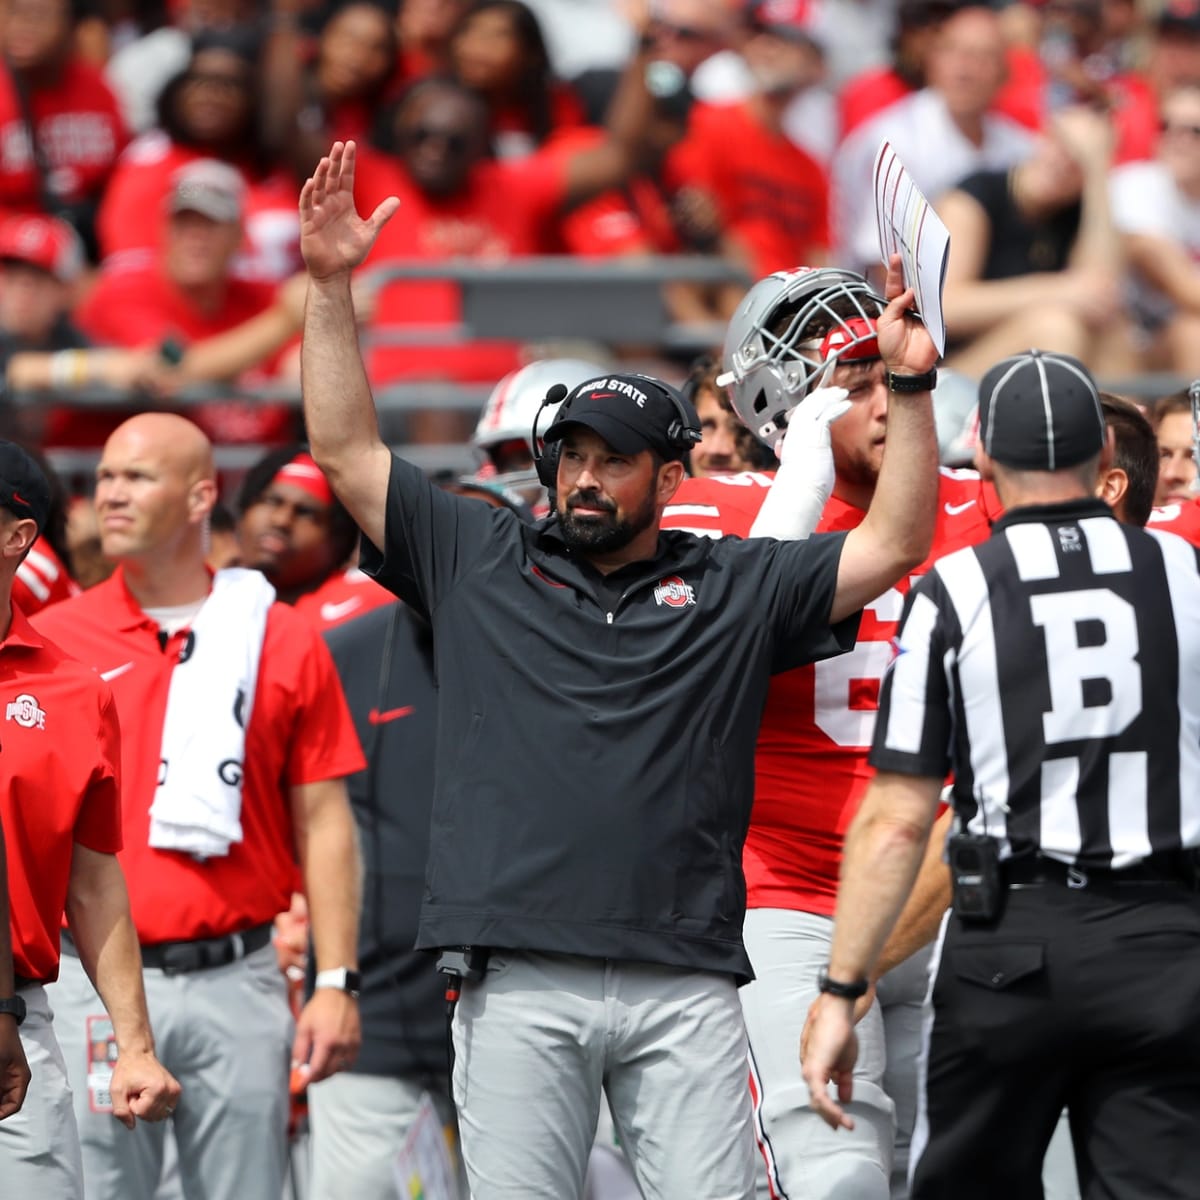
1040,411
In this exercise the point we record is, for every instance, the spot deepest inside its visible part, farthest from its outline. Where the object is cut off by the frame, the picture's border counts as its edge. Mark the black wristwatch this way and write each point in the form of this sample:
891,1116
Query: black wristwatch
843,991
907,385
13,1007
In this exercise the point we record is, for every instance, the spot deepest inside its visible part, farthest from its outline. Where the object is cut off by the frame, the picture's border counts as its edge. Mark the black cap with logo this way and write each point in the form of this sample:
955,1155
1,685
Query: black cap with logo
24,489
631,413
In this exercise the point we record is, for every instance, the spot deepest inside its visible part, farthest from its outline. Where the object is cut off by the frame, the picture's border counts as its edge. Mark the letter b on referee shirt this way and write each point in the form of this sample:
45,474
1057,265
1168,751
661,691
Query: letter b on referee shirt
1091,649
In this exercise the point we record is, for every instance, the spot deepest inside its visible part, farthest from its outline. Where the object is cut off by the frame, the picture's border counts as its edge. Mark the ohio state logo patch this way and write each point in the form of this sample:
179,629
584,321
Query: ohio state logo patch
674,593
26,711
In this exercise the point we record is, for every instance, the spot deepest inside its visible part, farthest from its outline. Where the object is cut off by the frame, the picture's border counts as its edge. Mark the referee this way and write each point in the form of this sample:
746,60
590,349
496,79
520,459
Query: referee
1055,669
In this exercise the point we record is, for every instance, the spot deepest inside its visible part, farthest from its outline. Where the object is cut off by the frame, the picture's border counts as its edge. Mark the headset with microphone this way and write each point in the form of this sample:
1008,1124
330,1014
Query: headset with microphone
681,434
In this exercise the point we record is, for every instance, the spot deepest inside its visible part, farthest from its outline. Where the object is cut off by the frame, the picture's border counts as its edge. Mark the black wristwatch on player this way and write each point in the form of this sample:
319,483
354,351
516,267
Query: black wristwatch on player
13,1007
908,385
843,991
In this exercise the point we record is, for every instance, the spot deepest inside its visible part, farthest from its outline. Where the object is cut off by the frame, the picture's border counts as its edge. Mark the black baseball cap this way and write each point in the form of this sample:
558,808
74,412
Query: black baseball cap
24,489
630,412
1040,411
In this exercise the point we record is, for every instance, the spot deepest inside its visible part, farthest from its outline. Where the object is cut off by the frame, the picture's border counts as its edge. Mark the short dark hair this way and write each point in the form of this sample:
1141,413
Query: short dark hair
1136,453
1176,402
343,533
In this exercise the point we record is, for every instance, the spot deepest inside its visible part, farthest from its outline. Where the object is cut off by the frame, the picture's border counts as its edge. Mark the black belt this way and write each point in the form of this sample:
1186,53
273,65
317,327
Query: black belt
200,954
1177,869
22,982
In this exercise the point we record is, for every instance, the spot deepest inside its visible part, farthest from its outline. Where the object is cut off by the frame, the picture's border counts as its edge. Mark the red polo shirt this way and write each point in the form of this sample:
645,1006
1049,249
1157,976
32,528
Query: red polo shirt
300,732
60,750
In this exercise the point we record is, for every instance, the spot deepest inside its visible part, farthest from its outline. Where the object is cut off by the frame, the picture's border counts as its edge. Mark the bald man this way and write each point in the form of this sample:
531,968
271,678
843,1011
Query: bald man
237,742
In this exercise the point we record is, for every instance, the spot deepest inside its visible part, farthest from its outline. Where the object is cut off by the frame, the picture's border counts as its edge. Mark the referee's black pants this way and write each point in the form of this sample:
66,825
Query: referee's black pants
1085,998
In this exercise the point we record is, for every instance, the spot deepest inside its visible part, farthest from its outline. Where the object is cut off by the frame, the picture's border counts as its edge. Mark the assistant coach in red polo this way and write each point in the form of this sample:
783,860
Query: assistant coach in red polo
60,808
238,741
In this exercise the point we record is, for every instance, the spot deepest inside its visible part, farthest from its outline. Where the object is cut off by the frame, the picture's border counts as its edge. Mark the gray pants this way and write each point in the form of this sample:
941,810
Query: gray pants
800,1157
226,1035
541,1035
39,1146
358,1123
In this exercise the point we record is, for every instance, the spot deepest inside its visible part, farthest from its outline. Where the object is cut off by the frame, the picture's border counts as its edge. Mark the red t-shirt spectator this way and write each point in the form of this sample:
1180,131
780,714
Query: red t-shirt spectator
866,94
504,212
774,198
130,231
141,307
79,129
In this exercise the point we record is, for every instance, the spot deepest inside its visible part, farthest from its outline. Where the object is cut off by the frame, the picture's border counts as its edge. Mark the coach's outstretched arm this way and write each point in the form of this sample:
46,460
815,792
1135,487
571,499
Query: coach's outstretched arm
897,532
338,410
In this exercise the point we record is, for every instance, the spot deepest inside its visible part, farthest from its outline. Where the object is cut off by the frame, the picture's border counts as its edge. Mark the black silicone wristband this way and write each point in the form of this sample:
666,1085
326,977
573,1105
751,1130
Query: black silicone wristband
844,991
908,385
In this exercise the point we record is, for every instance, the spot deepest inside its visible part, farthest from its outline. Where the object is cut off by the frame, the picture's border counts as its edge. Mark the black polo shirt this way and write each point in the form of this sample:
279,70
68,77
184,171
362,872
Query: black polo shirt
595,749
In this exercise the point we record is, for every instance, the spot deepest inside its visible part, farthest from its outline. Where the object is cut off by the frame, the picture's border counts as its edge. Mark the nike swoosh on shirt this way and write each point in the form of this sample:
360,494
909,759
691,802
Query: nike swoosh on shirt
392,714
335,612
952,510
117,671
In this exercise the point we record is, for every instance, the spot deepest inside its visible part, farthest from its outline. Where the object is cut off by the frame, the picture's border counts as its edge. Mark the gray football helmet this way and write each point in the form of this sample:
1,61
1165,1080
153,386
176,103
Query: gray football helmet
786,330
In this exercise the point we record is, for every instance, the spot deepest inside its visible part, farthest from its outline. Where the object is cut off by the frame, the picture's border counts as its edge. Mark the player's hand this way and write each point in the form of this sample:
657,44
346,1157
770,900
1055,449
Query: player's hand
334,239
328,1034
904,343
290,936
142,1088
829,1052
14,1070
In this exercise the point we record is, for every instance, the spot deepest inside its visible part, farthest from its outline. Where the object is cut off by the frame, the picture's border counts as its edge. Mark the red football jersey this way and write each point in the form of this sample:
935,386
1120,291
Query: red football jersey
811,759
1183,519
344,595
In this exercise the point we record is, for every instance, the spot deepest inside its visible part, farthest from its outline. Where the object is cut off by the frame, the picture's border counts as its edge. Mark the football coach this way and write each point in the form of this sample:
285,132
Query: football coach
600,686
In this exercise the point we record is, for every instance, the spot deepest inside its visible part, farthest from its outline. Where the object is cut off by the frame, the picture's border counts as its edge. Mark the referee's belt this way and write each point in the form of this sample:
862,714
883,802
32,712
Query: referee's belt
1179,868
198,954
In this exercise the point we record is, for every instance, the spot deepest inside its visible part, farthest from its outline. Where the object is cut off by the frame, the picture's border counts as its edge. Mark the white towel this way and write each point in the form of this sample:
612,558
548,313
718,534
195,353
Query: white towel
197,807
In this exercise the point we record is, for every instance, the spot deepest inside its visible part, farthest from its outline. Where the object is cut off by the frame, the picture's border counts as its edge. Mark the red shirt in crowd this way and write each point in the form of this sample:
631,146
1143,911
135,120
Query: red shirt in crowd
79,129
774,198
42,579
131,220
59,784
502,213
343,596
1180,519
811,760
300,732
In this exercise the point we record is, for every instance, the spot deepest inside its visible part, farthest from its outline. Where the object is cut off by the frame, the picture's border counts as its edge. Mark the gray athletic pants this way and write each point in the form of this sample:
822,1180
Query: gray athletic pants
539,1037
226,1035
39,1146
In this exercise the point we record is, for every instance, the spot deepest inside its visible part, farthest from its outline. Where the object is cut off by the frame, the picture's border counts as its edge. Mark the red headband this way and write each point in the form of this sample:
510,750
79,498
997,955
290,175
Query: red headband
304,474
848,335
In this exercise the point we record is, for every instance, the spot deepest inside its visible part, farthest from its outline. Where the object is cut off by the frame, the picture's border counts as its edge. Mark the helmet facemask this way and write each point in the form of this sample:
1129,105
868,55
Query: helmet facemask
791,329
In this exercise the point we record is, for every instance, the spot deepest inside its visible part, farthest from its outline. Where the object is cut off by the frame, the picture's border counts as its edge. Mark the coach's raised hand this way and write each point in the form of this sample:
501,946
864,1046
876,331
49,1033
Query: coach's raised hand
334,239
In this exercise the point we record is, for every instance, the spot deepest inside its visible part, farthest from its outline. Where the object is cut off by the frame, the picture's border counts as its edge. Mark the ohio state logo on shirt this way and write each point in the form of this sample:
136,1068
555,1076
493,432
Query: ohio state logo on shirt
26,711
674,593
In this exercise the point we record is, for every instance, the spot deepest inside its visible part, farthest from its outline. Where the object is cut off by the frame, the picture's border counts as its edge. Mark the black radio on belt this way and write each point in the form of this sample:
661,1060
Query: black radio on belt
465,962
975,876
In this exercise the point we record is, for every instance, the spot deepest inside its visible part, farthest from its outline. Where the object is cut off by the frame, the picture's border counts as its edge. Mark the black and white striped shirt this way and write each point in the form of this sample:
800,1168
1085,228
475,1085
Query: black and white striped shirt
1055,669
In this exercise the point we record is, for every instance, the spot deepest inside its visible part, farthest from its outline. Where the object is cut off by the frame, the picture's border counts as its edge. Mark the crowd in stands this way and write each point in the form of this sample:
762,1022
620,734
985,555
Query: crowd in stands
151,156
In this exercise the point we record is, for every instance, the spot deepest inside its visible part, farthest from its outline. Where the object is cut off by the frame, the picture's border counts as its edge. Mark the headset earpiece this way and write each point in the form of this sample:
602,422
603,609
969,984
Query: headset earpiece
545,461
